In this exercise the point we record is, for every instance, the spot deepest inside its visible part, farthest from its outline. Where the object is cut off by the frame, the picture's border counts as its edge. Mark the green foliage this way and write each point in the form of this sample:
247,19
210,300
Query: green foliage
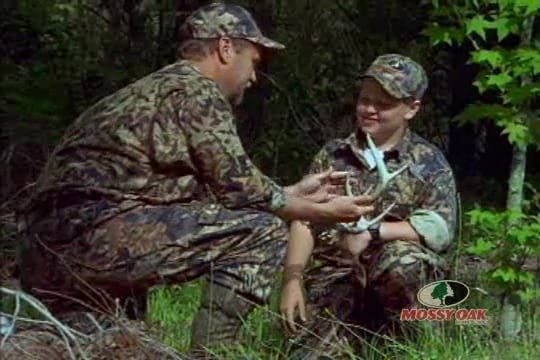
80,53
507,71
507,240
500,32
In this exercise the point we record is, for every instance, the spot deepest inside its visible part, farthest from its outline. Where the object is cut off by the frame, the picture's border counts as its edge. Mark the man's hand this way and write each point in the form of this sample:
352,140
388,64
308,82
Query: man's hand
338,209
319,187
292,298
355,243
347,208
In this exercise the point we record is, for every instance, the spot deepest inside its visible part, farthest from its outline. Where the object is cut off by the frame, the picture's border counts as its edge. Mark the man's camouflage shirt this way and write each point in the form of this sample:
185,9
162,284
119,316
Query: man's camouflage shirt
169,137
425,194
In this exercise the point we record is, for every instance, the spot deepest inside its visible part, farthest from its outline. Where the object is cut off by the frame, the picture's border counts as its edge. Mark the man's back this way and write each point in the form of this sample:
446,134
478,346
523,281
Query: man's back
130,145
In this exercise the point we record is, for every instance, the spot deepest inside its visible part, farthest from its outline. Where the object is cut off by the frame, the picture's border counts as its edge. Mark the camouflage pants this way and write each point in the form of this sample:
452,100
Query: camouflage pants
140,247
345,297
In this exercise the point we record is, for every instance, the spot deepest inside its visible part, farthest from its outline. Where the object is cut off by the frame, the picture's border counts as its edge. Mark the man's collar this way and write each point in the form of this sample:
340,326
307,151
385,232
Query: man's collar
183,65
192,66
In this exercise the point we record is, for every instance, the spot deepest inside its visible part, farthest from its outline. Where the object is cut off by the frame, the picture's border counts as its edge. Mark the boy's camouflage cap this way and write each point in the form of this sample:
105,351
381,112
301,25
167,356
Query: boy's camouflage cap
216,20
401,76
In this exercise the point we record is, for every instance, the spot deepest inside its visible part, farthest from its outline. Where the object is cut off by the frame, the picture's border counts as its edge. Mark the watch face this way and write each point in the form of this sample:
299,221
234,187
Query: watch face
374,231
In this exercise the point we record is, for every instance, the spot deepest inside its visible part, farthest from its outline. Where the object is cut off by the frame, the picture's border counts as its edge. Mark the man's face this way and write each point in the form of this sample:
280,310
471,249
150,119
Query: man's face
241,72
380,114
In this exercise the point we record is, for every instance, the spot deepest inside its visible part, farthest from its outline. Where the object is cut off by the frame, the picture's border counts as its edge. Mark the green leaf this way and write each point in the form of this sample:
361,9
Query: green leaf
506,274
529,57
518,95
479,111
530,6
522,237
481,247
529,294
520,70
494,58
526,278
481,84
522,234
477,25
499,81
472,113
504,26
457,35
503,4
439,35
518,134
485,218
70,9
514,216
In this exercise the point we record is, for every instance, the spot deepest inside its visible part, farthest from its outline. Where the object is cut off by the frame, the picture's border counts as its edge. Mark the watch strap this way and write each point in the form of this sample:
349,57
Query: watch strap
375,232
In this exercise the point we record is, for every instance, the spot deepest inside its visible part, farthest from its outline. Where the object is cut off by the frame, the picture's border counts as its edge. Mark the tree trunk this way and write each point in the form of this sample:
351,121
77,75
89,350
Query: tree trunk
514,198
510,325
511,312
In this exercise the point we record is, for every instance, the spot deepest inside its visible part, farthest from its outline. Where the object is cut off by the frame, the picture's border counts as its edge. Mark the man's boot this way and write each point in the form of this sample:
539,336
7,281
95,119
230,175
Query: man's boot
219,319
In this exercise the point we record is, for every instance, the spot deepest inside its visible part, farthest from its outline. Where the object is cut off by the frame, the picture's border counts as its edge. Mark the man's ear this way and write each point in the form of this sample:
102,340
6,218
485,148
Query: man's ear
225,50
414,106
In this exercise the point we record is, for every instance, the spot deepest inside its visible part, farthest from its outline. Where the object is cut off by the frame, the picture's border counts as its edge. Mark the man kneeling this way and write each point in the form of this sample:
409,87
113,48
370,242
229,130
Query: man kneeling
151,185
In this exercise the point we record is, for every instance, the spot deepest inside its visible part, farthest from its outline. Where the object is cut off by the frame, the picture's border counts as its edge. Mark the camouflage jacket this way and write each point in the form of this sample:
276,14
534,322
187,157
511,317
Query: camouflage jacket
169,137
425,194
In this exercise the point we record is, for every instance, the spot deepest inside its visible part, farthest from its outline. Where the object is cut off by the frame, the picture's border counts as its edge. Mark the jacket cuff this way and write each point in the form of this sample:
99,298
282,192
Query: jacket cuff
432,228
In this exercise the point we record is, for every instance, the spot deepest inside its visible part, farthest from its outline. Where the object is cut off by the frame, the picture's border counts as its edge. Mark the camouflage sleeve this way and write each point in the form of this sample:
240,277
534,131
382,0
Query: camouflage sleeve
218,154
321,162
435,221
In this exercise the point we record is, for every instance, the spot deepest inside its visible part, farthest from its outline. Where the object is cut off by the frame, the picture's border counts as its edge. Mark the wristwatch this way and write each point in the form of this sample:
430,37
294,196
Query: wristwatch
374,230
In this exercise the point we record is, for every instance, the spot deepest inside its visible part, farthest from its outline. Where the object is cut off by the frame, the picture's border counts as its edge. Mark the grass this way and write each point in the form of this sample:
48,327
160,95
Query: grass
172,309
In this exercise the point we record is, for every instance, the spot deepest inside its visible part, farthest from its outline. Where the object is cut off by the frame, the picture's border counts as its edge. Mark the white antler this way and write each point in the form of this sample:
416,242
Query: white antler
385,177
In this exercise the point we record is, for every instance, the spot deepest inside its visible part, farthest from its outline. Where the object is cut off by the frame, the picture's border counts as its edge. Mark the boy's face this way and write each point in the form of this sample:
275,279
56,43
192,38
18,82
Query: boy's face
380,114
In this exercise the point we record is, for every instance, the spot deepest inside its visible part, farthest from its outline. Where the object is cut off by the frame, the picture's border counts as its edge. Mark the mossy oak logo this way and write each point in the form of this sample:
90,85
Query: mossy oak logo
442,294
441,297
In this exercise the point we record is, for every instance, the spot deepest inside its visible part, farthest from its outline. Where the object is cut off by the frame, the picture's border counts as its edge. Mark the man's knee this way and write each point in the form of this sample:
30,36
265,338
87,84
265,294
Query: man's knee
269,222
269,236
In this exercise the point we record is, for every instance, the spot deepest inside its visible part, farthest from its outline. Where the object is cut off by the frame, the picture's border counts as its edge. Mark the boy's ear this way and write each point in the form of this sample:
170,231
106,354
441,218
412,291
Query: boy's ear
414,107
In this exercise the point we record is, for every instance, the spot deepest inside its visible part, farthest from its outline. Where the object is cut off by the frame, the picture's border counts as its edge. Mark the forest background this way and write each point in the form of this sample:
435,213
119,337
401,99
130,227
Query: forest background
481,109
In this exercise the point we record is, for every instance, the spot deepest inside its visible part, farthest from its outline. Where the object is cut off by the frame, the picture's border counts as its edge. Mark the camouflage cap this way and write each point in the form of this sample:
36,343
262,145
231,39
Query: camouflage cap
401,76
217,19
